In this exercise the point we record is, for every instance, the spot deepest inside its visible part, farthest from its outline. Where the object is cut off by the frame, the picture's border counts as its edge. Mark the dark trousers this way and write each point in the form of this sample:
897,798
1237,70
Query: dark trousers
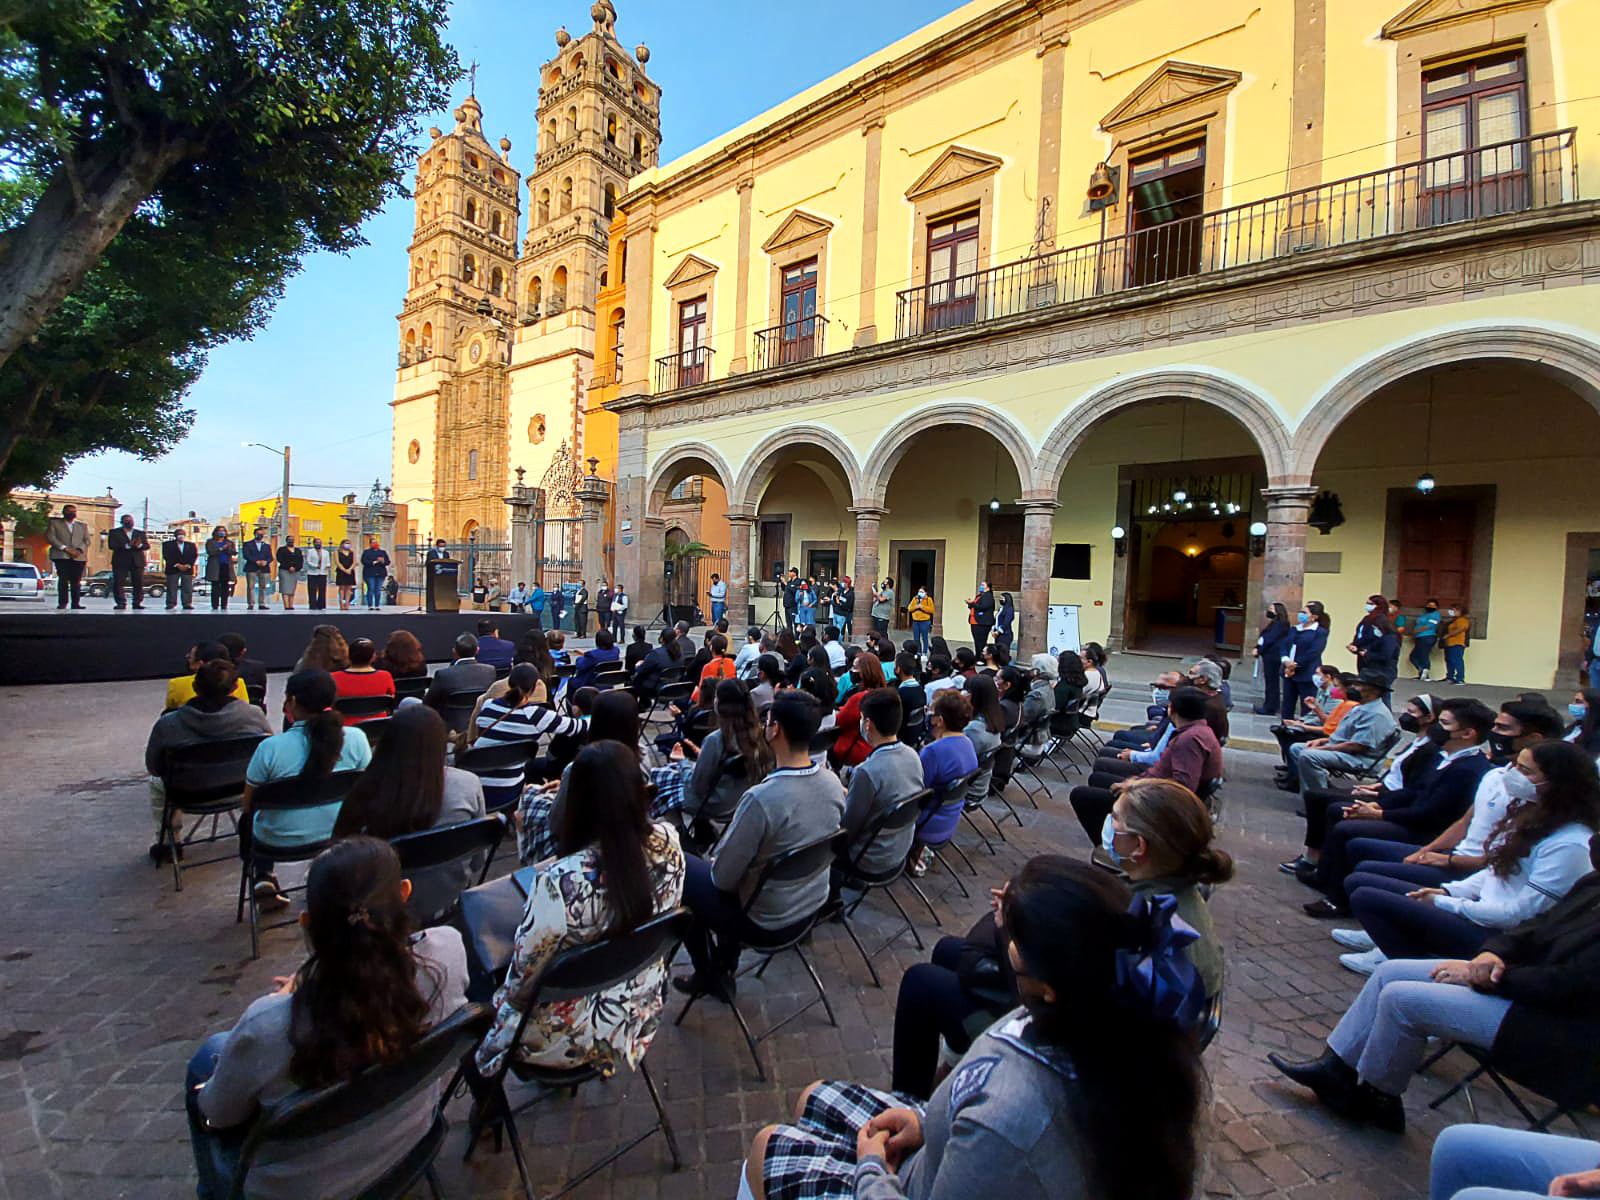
317,591
880,624
69,582
1093,805
221,589
1336,861
1422,653
580,620
1271,683
1324,809
932,1004
719,925
1406,928
122,580
216,1152
980,637
1138,738
1295,692
1117,768
180,585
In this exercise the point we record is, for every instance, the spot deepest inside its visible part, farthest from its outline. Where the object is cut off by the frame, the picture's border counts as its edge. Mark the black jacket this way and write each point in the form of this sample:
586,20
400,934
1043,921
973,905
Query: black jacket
982,609
127,547
647,675
1433,799
291,558
176,554
1550,1038
254,673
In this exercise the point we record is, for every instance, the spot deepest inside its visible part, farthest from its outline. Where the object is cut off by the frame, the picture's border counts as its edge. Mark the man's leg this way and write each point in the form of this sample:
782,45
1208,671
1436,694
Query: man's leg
1408,1012
173,582
1093,805
119,586
1315,764
1470,1159
1337,860
931,1004
715,912
136,577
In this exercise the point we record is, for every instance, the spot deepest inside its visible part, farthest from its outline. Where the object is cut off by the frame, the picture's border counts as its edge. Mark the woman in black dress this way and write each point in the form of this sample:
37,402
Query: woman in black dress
220,556
344,574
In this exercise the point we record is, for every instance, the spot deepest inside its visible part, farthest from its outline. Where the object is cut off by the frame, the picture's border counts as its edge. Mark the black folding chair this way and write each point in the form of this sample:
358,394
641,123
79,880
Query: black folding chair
374,1097
803,862
283,795
1031,734
914,728
1210,1021
435,851
669,694
415,686
575,974
203,780
610,674
951,797
364,706
257,695
977,798
1373,768
887,828
822,741
497,759
375,729
457,706
1567,1096
502,672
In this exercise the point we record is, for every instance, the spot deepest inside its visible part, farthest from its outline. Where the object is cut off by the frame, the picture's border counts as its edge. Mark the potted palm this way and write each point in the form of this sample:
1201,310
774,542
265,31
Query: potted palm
680,558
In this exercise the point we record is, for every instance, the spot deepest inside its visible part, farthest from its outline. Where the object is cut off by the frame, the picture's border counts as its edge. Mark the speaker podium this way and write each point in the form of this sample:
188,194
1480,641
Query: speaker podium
440,577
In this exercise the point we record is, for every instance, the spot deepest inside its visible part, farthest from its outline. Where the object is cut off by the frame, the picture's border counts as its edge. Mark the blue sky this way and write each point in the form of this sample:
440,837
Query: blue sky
319,377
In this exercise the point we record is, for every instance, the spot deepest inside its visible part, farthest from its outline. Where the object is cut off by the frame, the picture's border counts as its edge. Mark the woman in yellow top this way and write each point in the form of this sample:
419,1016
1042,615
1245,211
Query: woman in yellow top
1457,633
921,613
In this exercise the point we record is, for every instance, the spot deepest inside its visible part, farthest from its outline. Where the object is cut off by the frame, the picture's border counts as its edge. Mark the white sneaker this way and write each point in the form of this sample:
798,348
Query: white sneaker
1365,963
1355,939
1423,677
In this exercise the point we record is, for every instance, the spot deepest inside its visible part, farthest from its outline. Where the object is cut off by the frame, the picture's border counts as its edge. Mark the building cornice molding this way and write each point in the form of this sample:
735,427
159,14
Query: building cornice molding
1430,14
1170,86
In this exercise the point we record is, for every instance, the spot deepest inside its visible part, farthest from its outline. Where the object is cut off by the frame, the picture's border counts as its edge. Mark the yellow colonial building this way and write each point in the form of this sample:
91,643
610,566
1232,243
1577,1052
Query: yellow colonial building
1163,311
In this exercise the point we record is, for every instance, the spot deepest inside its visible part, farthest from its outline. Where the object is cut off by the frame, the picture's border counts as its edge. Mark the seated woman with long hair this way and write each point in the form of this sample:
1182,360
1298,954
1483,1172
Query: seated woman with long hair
850,748
733,758
402,656
1089,1091
326,651
615,870
517,717
366,993
615,719
407,788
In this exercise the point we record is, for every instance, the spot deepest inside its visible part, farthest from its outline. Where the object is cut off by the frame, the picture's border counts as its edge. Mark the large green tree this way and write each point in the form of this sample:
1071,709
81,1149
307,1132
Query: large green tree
164,166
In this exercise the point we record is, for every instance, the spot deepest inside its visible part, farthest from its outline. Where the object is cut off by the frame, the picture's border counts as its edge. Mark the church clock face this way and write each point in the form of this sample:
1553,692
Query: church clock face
475,351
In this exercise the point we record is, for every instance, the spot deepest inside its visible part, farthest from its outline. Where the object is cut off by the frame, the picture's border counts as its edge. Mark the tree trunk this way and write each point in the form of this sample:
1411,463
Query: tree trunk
15,421
67,232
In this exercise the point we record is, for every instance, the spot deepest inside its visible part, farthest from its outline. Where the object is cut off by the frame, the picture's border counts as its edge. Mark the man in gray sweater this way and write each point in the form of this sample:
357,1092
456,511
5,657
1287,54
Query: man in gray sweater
891,773
798,803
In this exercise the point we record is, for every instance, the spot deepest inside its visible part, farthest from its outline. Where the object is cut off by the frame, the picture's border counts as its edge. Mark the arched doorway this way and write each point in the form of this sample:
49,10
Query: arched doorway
688,492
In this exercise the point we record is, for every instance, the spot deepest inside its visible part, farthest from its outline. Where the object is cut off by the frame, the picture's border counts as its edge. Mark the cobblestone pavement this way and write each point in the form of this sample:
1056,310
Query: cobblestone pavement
108,978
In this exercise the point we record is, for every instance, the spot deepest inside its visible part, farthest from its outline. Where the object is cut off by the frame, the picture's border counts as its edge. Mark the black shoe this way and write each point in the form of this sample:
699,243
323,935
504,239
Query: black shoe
1306,873
696,985
1324,908
1293,865
1291,784
1333,1081
1387,1112
161,854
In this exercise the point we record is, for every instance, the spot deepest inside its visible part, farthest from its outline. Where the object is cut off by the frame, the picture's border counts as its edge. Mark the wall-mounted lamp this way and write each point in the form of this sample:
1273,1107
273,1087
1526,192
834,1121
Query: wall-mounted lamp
994,504
1258,538
1425,483
1119,538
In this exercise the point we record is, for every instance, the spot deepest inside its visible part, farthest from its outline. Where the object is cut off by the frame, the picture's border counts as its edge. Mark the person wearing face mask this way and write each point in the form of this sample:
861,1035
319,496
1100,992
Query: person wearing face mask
178,559
1533,857
317,559
1376,644
344,574
1584,709
1457,637
890,773
1270,641
980,616
1302,655
1424,636
257,559
1362,736
1329,708
221,556
1005,622
1427,786
1530,995
920,611
883,607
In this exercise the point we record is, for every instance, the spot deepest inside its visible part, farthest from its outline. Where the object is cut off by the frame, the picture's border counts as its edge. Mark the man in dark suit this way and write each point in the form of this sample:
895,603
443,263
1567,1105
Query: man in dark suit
465,673
580,610
437,552
492,648
178,559
128,547
257,558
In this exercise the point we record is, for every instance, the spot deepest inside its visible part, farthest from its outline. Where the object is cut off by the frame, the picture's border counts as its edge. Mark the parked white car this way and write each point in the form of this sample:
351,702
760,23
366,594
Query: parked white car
20,581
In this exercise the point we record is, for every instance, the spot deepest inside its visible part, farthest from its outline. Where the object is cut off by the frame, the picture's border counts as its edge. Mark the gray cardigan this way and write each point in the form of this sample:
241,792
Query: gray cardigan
885,777
791,807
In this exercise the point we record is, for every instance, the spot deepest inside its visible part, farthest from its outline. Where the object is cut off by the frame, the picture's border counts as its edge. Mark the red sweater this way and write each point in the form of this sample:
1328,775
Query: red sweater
348,684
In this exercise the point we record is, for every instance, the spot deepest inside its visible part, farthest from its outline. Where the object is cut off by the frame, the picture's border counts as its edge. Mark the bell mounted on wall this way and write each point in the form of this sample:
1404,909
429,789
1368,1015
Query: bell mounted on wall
1326,513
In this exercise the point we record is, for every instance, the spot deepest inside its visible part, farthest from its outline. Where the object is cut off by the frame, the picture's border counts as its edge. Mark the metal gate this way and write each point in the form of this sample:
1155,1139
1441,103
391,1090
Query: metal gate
488,559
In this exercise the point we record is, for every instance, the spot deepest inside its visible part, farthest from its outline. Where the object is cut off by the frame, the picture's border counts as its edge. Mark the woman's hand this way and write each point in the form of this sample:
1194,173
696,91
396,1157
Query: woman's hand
1578,1183
677,752
1454,970
997,901
284,985
1426,895
1363,811
1427,858
891,1135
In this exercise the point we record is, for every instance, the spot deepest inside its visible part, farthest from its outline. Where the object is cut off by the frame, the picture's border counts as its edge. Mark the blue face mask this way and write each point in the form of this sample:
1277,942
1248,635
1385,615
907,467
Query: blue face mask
1578,711
1302,618
1108,841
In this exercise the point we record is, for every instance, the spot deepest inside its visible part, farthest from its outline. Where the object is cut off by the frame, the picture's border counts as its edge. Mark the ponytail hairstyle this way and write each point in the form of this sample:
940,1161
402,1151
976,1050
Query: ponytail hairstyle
356,1001
1135,1099
1177,825
614,818
741,730
1318,613
521,686
313,692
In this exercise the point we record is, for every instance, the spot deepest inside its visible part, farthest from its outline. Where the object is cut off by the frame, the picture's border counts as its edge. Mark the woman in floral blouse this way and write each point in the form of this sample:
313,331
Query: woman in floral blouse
615,870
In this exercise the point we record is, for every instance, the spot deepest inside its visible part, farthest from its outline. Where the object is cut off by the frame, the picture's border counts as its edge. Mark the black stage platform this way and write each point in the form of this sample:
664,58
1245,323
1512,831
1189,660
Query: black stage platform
91,647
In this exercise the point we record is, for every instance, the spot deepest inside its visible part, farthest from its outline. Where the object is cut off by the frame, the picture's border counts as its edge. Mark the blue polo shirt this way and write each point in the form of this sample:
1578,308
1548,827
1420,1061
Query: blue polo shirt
283,756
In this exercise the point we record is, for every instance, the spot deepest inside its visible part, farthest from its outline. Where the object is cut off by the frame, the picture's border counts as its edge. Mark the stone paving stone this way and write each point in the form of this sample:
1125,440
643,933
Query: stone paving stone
109,978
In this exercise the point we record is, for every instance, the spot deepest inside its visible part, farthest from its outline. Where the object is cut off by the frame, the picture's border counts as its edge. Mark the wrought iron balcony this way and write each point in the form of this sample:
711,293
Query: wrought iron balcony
1509,177
792,342
684,369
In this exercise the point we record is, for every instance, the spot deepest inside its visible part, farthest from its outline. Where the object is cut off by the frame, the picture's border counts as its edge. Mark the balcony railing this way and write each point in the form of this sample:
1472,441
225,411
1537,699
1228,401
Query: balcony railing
684,369
1508,177
793,342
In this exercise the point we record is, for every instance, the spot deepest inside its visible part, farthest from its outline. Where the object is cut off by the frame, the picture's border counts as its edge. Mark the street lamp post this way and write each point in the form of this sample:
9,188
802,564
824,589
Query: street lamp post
283,511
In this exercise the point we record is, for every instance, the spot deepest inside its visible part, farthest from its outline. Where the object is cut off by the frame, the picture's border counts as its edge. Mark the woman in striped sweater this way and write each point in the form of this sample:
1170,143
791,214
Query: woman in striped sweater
512,718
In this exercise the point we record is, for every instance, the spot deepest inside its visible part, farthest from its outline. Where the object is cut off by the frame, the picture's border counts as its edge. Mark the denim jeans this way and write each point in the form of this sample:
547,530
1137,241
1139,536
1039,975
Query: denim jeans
1422,653
718,608
373,590
1455,664
1594,672
216,1152
1482,1162
922,633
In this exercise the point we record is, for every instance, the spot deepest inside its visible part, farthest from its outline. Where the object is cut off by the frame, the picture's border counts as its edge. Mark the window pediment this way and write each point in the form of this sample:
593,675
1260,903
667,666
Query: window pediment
798,226
956,165
1429,14
1172,85
692,268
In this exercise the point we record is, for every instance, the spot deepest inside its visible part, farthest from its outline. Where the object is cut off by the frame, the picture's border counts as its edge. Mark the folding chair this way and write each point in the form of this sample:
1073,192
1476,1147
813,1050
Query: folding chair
914,728
502,673
952,796
415,686
801,863
1063,729
822,741
457,708
610,674
1210,1020
364,706
374,1097
1567,1095
576,974
284,795
435,850
1086,735
256,693
375,729
977,793
1372,769
1023,765
203,780
668,694
885,829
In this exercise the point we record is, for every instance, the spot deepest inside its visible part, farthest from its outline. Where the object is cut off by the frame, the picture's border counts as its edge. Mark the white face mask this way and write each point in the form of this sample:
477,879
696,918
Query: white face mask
1450,612
1370,607
1518,786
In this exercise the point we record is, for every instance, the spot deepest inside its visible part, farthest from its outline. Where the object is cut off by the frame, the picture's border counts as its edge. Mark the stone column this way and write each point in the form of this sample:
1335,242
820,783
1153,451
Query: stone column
527,507
593,495
354,514
1284,567
741,531
867,574
1033,607
8,542
649,587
